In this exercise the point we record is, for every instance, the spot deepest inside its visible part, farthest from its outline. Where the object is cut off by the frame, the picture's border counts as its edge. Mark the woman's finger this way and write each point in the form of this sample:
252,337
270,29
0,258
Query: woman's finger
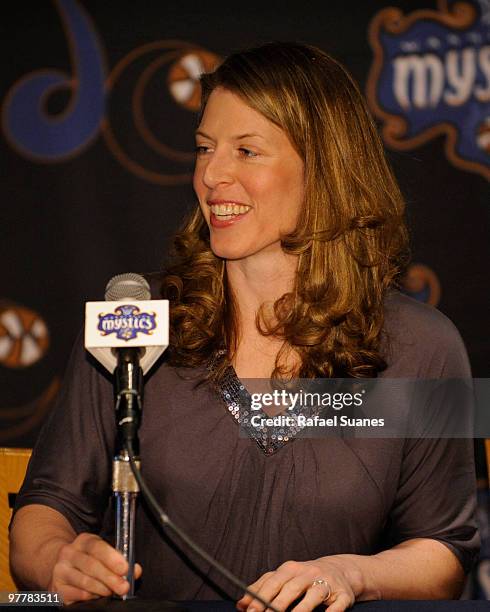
71,594
66,574
245,601
343,601
295,588
97,547
282,586
315,595
90,566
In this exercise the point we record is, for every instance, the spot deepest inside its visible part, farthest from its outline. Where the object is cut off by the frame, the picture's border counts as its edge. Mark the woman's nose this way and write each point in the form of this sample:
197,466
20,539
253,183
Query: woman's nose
218,169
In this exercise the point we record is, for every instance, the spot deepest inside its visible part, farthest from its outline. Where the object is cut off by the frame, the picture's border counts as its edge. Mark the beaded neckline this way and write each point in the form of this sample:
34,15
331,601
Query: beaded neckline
238,403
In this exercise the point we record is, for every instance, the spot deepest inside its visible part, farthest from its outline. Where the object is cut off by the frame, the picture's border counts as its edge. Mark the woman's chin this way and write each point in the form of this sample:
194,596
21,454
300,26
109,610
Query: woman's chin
229,254
229,250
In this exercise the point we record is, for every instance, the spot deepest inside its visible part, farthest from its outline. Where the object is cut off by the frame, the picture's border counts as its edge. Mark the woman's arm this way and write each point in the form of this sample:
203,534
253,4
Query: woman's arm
415,569
47,554
422,568
36,535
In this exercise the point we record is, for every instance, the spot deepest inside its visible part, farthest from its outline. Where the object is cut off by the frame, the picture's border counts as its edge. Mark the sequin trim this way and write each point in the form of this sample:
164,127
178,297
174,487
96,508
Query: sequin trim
238,403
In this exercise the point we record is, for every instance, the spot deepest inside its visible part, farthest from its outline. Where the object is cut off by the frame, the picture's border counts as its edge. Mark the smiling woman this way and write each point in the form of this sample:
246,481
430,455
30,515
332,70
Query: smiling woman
285,132
286,268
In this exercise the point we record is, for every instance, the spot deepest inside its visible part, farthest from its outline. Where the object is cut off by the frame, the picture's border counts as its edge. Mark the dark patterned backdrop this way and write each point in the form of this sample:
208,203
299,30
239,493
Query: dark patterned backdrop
98,112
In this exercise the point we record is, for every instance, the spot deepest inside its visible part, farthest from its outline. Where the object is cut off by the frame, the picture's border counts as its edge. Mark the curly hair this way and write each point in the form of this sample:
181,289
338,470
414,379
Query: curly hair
351,241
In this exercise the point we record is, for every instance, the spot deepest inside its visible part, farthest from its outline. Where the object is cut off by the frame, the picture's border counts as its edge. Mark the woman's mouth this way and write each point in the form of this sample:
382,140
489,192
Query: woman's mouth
227,211
222,214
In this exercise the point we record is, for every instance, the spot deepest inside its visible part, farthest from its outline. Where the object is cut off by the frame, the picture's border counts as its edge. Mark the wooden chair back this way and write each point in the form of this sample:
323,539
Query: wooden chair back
13,465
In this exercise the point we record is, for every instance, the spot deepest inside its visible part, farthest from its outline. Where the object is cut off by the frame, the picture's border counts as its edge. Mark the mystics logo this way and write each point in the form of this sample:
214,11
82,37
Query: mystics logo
431,76
126,322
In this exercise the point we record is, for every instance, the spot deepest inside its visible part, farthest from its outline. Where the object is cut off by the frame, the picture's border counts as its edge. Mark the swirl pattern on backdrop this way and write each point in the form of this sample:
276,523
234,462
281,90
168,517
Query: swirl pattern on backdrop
28,126
166,70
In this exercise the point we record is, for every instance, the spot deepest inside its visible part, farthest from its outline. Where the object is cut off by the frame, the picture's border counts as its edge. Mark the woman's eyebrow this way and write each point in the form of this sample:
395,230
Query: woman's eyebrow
201,133
237,137
248,135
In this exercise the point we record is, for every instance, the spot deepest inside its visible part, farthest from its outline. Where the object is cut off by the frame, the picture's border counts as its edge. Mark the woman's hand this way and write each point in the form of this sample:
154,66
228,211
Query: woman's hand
295,579
89,568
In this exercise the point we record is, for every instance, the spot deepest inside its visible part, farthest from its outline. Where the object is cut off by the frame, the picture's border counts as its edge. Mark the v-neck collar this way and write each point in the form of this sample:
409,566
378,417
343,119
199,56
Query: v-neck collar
238,402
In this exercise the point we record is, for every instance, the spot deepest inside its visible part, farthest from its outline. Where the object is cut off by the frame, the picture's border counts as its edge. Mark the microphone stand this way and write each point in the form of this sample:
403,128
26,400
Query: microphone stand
129,393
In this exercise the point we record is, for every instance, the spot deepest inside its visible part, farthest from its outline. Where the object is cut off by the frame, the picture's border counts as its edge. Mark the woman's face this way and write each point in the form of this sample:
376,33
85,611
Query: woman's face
248,178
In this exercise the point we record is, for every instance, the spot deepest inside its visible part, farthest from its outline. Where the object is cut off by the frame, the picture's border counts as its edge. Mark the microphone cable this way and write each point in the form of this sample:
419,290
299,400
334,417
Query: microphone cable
165,520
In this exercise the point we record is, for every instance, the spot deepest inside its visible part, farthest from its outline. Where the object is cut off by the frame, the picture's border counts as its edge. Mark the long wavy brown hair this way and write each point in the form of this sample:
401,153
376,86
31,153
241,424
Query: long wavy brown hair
351,239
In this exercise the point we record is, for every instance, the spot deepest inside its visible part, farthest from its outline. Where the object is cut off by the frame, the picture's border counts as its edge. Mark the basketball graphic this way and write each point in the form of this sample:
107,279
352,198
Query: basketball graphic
183,77
421,283
24,337
483,135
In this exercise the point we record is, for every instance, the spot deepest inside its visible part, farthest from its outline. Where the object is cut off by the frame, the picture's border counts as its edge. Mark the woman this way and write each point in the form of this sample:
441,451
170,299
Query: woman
284,270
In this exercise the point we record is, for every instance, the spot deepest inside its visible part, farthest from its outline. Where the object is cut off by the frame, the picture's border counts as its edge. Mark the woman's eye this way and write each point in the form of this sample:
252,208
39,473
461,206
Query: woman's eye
201,149
247,152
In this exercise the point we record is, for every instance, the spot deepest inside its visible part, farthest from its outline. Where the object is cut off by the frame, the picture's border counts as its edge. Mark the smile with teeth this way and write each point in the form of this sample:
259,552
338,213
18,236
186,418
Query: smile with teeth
228,211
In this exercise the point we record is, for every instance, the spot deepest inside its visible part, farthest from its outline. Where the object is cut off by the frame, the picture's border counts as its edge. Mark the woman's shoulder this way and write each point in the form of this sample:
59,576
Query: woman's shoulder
418,339
416,318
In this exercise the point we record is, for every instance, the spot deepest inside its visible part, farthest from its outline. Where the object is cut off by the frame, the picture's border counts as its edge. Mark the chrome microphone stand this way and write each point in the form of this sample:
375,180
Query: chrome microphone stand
125,490
129,390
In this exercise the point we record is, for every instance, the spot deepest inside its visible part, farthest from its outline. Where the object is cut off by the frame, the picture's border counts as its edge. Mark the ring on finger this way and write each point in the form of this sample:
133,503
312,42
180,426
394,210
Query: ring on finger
323,583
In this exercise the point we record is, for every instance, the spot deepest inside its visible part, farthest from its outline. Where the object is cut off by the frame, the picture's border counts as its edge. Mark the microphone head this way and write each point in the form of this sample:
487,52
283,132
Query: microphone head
129,286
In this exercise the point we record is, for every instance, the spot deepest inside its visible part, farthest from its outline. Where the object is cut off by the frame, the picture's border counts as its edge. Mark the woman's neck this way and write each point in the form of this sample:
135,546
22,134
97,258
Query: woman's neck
255,281
265,277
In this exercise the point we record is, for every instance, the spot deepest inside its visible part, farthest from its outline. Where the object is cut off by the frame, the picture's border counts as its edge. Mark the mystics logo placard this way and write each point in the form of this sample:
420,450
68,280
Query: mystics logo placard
127,322
141,324
431,76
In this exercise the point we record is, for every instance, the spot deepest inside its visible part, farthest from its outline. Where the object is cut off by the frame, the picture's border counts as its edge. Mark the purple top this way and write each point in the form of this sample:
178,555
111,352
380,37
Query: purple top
251,510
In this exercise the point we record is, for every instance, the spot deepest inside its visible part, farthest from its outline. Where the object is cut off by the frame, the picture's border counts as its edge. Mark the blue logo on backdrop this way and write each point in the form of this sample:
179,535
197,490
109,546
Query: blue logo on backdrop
36,131
28,125
127,322
431,76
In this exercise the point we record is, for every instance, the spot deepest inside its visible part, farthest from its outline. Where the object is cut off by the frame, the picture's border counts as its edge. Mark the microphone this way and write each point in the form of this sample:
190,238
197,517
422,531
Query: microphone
127,338
128,318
